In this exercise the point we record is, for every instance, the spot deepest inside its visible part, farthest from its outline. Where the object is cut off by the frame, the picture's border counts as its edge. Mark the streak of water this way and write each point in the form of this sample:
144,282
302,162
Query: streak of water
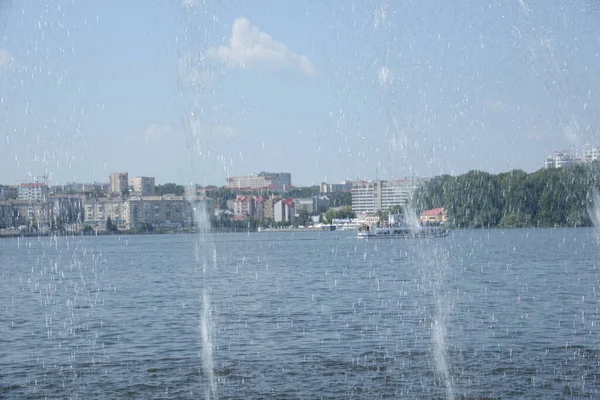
195,78
544,62
206,329
430,257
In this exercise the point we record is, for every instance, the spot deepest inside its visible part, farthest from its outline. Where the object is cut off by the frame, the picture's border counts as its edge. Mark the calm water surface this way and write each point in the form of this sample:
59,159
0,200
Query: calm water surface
506,314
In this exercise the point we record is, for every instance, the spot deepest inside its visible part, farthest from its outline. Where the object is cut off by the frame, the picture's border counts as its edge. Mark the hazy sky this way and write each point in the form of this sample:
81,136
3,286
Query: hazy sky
326,90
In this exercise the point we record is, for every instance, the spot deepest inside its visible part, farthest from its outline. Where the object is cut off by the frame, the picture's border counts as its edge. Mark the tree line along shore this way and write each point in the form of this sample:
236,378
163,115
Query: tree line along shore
554,197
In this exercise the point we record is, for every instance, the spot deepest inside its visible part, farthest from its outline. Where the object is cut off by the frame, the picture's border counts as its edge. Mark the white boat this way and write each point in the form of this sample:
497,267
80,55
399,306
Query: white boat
403,231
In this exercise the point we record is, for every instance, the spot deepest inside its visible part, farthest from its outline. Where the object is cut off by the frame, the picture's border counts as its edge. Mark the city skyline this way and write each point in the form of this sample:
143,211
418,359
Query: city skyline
560,159
186,92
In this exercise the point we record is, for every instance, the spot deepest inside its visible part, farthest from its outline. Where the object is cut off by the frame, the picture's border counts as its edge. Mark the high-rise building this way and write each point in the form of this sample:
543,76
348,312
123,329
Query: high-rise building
32,191
118,182
243,206
561,159
343,186
592,154
262,180
284,210
370,197
143,185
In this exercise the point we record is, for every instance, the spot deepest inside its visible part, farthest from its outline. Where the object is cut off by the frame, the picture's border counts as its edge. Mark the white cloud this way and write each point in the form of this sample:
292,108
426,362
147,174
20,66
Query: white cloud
6,59
249,47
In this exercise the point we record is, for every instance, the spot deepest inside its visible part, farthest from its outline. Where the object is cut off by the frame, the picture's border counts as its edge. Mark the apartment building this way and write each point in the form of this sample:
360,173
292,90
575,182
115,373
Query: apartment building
243,206
32,191
365,197
96,211
561,159
343,186
261,181
57,209
259,207
369,197
318,203
269,202
16,213
168,211
590,155
67,209
118,182
143,186
306,204
284,210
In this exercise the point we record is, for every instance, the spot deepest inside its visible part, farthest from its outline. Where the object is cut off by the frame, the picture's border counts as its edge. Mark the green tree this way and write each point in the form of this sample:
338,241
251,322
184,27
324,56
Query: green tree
340,199
170,188
342,213
302,192
220,195
548,197
146,227
303,218
111,226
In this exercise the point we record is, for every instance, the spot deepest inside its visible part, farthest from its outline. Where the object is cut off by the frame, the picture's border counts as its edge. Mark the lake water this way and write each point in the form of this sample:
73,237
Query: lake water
479,314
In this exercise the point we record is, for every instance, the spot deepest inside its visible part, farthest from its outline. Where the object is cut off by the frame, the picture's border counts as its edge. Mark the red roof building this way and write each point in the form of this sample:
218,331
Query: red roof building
243,206
284,210
435,215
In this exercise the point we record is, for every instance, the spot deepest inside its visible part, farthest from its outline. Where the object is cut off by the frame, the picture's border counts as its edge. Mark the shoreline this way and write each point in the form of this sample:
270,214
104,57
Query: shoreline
4,235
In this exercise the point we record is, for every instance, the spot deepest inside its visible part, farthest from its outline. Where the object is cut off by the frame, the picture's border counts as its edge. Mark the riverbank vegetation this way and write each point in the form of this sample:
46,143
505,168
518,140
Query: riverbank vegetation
546,198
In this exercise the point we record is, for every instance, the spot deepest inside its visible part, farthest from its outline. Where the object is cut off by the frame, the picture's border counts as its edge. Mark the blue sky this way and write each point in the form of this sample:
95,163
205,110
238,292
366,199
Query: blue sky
187,91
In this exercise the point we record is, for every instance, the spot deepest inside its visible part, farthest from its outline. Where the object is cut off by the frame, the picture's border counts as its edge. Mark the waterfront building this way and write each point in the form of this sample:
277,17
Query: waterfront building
96,211
143,186
118,182
25,213
321,203
32,191
284,210
243,206
590,155
369,197
561,159
343,186
167,211
261,181
269,203
364,197
38,214
259,207
306,204
318,203
160,211
67,209
434,216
